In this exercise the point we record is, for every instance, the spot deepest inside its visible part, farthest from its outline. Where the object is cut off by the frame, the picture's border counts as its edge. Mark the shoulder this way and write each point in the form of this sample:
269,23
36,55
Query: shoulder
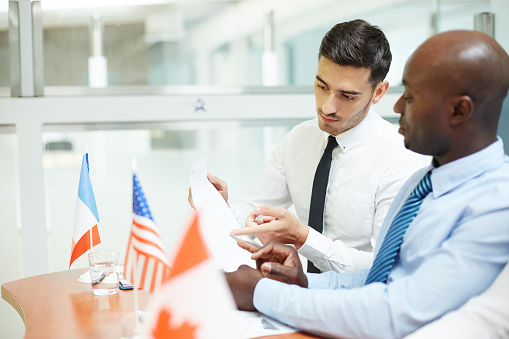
409,185
496,182
385,132
384,137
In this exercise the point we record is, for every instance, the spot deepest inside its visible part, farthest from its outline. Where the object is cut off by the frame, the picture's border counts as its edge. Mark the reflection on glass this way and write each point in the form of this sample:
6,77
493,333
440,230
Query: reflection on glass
163,158
224,42
4,48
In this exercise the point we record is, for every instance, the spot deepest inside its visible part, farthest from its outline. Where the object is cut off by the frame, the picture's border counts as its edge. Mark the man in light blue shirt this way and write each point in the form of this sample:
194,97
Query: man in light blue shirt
457,244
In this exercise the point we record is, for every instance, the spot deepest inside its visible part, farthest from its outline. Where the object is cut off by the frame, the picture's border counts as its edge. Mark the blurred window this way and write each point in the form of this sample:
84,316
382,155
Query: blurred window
217,42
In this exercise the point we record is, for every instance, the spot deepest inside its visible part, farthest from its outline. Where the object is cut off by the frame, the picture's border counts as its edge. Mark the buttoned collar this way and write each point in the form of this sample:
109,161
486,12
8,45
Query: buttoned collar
451,175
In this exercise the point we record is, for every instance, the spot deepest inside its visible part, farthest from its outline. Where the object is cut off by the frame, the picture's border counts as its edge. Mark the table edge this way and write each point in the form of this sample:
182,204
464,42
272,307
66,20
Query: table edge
11,299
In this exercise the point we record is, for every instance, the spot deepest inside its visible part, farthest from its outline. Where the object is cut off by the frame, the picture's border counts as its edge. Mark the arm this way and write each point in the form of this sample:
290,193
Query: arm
279,225
325,253
472,254
484,316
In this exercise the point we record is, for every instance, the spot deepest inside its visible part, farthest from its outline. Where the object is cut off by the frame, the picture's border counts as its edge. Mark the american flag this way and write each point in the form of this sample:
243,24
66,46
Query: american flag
145,248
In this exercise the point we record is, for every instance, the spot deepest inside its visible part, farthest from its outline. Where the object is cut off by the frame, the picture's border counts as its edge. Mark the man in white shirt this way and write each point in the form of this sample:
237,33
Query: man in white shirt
367,169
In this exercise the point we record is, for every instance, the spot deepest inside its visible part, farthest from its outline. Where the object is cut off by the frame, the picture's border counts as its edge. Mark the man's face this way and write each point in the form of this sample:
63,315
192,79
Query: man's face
343,96
422,107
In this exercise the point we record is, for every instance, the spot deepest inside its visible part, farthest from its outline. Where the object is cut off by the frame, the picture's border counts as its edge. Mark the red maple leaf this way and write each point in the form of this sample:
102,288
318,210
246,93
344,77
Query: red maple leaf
164,329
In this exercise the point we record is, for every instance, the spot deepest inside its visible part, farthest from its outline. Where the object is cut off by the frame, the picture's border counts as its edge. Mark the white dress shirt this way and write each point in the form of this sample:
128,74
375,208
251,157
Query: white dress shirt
485,316
368,168
453,250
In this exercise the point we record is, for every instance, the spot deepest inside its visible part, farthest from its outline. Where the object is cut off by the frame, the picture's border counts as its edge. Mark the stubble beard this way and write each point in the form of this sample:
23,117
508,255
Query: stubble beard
345,125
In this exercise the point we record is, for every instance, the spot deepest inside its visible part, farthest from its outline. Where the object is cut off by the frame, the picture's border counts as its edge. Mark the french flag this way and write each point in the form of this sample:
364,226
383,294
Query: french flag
86,218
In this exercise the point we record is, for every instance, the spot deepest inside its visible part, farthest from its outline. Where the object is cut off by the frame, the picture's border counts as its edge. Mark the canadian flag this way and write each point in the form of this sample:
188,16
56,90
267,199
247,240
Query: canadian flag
196,301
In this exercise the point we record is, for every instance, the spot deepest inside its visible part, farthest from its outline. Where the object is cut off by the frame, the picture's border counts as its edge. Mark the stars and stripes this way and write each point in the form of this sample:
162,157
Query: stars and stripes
145,248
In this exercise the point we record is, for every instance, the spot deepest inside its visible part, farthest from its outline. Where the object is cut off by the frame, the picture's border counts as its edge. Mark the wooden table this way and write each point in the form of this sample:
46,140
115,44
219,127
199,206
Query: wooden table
56,305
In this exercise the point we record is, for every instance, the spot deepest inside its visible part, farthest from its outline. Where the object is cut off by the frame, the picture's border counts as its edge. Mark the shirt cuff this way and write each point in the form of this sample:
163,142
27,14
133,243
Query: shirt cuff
315,246
318,281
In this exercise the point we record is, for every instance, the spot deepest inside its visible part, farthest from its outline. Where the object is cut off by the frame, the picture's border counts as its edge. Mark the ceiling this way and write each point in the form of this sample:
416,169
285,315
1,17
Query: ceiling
58,13
66,13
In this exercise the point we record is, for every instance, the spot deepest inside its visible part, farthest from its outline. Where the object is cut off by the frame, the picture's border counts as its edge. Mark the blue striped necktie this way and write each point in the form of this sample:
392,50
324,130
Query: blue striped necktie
392,241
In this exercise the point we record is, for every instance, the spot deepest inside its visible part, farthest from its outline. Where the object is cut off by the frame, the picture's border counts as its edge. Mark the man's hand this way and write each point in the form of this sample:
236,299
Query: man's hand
218,184
242,284
274,224
277,261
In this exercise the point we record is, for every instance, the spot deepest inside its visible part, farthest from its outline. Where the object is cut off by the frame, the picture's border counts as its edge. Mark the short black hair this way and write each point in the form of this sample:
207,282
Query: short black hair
360,44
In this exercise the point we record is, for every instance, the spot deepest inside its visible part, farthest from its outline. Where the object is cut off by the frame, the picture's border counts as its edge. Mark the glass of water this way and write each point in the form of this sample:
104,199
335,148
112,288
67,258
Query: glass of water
104,270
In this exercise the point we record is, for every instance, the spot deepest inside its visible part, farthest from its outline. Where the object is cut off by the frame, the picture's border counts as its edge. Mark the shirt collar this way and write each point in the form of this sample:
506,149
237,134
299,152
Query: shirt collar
451,175
347,139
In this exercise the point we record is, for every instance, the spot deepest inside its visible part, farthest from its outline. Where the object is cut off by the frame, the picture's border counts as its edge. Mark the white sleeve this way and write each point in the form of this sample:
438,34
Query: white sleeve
329,255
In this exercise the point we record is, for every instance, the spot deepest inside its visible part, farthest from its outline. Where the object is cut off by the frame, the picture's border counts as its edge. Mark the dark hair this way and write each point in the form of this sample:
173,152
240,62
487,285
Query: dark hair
360,44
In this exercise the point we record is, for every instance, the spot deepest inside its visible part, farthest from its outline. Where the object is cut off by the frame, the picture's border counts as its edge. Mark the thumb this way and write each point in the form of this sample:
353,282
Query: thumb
213,179
277,271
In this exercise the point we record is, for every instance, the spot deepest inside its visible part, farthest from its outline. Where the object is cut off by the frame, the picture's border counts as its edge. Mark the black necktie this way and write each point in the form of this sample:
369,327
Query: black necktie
317,205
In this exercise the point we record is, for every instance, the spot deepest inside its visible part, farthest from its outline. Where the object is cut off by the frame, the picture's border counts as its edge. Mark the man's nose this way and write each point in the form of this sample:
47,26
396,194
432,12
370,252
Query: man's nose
330,105
399,106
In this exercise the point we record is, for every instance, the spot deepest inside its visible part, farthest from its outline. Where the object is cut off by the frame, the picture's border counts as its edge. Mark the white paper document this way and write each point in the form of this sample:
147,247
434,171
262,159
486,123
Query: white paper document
250,324
255,324
216,220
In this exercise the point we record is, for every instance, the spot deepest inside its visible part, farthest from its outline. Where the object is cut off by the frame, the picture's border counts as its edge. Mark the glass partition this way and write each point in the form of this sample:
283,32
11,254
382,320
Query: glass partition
235,153
11,251
218,43
4,46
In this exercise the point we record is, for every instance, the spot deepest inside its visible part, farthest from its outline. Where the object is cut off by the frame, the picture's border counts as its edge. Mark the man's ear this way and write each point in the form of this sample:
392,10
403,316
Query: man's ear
380,91
462,109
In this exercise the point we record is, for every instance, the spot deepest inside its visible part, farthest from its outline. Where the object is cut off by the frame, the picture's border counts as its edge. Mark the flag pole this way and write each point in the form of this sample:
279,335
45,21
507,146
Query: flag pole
135,272
135,290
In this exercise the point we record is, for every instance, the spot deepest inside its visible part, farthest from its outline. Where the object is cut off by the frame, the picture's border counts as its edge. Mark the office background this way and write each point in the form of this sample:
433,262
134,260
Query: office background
165,81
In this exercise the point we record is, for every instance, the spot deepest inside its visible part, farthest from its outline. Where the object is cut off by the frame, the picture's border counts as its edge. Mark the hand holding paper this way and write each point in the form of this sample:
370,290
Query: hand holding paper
216,219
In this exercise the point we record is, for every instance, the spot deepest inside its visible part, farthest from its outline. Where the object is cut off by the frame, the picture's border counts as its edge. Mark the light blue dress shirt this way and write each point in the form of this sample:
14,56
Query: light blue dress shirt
454,249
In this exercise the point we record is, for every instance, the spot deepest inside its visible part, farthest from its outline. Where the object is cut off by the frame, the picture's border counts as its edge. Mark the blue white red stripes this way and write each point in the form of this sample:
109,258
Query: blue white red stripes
145,248
86,217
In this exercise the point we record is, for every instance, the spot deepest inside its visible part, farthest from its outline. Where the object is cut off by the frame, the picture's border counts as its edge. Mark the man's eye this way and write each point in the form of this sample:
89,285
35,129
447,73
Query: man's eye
351,98
408,99
321,87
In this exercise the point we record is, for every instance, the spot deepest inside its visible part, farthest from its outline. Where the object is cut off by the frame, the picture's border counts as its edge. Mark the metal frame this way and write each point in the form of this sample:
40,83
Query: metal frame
31,117
26,48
